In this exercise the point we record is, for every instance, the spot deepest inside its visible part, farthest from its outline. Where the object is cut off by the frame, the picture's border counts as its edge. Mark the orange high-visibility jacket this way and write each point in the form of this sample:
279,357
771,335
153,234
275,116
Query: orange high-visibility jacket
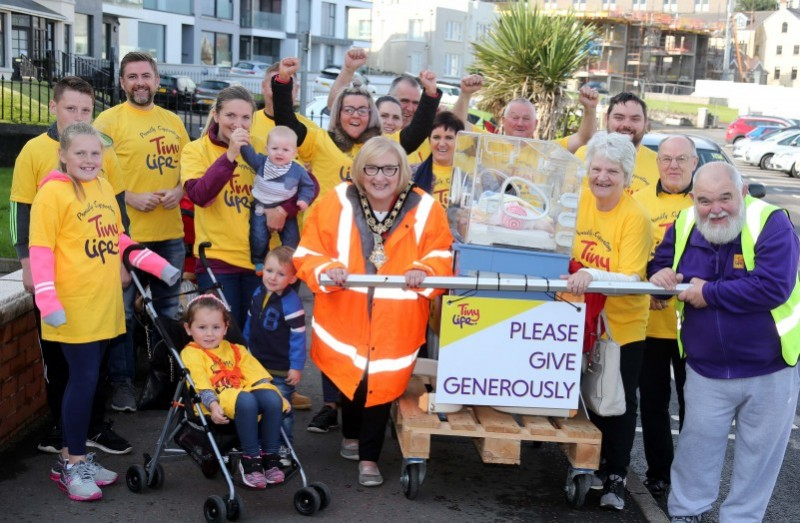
377,331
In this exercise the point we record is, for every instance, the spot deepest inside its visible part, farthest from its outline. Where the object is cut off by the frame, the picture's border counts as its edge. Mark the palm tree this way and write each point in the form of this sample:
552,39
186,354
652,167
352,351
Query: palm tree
529,54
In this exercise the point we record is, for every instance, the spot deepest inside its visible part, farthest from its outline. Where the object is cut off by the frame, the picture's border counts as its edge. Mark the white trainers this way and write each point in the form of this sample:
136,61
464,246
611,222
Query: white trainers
102,476
78,482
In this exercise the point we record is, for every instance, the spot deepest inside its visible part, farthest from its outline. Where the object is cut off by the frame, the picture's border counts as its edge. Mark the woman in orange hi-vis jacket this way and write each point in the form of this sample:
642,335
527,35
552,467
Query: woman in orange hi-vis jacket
366,340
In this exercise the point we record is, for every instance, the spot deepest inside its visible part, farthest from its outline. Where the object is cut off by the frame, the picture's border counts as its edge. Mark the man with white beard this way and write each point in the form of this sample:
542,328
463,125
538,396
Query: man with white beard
740,334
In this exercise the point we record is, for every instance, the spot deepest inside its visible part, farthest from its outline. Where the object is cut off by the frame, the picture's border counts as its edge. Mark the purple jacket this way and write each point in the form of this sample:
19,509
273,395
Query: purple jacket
735,336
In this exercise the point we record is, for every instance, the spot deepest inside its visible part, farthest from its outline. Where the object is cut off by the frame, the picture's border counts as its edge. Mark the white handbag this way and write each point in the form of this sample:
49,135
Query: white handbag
601,382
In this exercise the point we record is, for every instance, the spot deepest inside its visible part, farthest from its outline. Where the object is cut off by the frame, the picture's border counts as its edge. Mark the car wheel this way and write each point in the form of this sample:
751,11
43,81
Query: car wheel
793,172
765,161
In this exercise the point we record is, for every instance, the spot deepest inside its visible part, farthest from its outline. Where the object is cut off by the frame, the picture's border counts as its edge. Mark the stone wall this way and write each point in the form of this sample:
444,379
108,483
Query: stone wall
22,394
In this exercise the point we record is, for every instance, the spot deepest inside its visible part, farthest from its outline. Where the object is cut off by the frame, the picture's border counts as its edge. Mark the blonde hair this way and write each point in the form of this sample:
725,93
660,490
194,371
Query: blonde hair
374,148
65,141
283,254
281,131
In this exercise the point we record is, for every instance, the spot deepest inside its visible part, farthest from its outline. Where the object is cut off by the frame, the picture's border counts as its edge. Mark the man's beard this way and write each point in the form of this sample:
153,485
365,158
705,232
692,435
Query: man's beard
141,99
721,234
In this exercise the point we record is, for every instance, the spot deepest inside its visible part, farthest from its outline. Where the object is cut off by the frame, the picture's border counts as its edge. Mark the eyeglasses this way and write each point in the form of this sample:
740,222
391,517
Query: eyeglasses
682,160
349,110
387,170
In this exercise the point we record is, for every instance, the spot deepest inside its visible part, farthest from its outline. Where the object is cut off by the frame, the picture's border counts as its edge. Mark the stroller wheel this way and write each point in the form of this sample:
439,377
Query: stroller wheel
136,478
324,494
214,509
236,508
307,501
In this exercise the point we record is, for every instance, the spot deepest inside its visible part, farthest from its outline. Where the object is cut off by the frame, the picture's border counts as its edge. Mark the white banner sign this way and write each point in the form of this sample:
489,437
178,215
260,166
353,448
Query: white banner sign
501,352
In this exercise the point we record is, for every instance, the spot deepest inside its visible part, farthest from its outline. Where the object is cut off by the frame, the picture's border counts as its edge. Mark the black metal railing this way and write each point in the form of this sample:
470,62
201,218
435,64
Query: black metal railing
26,102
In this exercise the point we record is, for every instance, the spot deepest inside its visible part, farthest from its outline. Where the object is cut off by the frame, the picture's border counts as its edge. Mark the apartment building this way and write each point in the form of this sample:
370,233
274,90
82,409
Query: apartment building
777,46
435,35
207,32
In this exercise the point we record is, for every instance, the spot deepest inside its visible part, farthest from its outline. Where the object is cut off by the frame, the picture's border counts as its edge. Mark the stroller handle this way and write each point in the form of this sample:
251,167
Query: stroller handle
201,253
126,255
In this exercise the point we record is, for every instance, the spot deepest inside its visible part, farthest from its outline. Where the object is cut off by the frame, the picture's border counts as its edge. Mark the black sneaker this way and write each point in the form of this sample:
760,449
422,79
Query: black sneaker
657,487
613,493
326,419
51,442
105,439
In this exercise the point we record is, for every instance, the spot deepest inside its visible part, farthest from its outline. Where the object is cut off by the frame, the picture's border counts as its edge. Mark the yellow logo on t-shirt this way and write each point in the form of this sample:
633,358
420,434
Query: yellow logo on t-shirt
738,261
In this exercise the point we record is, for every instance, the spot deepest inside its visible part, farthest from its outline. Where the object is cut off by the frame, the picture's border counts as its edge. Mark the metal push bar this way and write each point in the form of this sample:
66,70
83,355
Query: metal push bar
498,282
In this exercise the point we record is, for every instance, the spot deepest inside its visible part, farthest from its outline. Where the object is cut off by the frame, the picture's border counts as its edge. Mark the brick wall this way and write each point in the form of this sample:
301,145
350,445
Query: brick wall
22,394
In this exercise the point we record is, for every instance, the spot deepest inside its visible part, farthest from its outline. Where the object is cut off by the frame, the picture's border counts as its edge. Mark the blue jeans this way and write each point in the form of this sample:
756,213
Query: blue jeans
255,434
238,289
122,353
288,418
260,236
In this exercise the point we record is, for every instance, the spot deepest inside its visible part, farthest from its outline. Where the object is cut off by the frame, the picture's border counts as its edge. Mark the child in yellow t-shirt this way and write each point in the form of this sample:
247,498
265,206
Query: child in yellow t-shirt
233,385
75,243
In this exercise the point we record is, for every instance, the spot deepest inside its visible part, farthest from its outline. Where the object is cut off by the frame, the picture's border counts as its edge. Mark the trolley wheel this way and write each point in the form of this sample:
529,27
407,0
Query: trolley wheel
214,509
324,494
158,476
576,490
410,480
307,501
235,508
136,478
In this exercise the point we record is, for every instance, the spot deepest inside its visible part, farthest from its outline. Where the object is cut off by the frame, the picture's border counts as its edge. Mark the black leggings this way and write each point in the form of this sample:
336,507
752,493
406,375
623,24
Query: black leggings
366,424
84,360
619,431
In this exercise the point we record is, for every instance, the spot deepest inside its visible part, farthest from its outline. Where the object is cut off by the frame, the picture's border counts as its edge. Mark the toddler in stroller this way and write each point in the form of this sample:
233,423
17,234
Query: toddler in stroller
231,381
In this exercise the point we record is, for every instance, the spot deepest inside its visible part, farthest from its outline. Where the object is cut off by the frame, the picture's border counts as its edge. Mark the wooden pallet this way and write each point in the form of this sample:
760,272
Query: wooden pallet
497,436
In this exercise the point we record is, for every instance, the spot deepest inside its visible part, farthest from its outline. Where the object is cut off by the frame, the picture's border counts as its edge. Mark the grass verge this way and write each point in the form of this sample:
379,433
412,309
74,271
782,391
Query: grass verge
6,248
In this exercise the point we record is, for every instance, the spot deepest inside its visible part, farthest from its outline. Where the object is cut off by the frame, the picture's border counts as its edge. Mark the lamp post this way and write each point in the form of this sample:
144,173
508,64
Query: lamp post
726,58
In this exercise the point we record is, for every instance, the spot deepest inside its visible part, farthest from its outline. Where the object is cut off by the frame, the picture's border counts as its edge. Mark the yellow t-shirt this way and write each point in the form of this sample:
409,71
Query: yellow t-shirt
618,240
442,178
148,145
84,237
663,209
202,367
420,155
40,156
226,221
645,170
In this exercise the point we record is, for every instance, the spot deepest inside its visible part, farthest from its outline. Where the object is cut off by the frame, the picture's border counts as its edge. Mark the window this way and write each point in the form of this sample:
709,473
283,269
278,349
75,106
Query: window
415,30
551,4
217,8
609,5
700,6
670,6
797,49
580,5
2,41
777,74
784,27
151,39
20,35
328,19
415,62
453,31
328,52
452,65
779,49
794,73
83,34
181,7
215,48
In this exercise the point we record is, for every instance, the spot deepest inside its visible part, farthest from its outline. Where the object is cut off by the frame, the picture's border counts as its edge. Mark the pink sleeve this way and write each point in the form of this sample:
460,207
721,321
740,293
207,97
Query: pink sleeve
148,261
43,264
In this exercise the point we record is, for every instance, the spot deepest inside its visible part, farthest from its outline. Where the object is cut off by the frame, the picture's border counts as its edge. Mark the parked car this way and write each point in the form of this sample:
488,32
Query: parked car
449,94
707,151
207,91
175,92
249,68
761,153
786,161
326,77
744,124
482,120
758,134
317,111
